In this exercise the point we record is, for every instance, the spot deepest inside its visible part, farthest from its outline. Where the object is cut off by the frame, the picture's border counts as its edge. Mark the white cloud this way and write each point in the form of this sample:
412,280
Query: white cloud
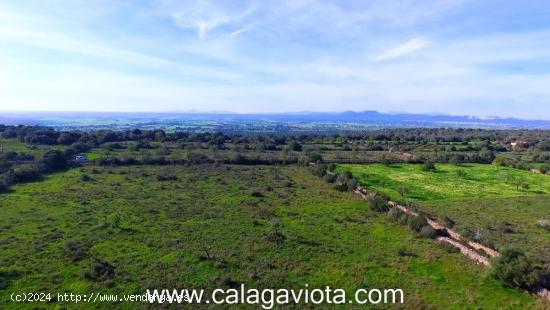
205,17
405,48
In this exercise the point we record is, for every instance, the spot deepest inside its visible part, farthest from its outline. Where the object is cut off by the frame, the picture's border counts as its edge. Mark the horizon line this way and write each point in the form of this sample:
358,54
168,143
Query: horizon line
480,117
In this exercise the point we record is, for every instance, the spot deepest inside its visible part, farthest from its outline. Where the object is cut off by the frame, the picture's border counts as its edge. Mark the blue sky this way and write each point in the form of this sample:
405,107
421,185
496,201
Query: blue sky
485,58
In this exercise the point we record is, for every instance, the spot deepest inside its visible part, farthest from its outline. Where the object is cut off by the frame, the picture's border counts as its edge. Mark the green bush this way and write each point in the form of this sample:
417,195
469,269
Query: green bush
166,176
256,193
378,203
351,184
514,269
404,252
85,178
320,170
428,166
427,232
101,271
76,250
405,219
417,223
275,233
4,188
54,160
329,178
395,214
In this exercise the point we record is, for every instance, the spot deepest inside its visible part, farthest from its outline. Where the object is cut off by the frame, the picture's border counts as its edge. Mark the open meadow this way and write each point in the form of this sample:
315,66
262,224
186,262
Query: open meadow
216,226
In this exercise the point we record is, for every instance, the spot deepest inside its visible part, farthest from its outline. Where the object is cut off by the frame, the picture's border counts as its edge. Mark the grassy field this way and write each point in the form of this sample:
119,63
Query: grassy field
215,226
12,145
478,198
502,221
449,182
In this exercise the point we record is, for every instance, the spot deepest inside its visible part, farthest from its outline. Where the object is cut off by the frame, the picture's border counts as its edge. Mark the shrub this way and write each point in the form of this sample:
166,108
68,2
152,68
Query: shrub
428,166
342,179
256,193
404,252
378,203
76,250
320,170
101,271
26,174
505,228
404,219
417,223
314,157
197,158
395,214
85,178
514,269
340,186
351,184
295,146
329,178
402,191
166,176
275,234
54,160
4,188
427,232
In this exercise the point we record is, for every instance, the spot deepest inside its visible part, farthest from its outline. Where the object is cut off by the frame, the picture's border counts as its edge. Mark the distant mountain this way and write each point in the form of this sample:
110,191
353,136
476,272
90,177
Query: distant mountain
347,120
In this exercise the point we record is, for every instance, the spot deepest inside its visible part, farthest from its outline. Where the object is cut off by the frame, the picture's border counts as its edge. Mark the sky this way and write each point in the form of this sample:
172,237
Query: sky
460,57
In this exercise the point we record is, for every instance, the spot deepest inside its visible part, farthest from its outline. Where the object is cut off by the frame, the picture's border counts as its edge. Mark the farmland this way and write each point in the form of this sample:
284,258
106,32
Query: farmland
208,226
499,206
158,209
450,182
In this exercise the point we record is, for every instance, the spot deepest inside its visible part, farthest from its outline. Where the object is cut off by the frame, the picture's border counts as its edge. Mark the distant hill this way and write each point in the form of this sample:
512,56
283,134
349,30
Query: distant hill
348,120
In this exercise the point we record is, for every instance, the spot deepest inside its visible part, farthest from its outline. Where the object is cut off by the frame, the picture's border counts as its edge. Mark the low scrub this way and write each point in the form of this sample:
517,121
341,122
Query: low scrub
76,250
165,176
378,203
514,269
427,232
417,223
101,271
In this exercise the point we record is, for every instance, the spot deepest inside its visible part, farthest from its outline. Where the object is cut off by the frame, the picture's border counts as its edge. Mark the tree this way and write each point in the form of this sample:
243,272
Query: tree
514,269
295,146
54,160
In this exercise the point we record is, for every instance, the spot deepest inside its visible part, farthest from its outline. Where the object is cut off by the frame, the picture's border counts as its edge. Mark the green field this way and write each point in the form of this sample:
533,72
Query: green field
12,145
448,182
265,226
484,206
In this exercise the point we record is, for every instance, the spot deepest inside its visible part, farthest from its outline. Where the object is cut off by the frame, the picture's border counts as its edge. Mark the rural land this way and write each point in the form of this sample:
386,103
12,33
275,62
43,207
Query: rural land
459,218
